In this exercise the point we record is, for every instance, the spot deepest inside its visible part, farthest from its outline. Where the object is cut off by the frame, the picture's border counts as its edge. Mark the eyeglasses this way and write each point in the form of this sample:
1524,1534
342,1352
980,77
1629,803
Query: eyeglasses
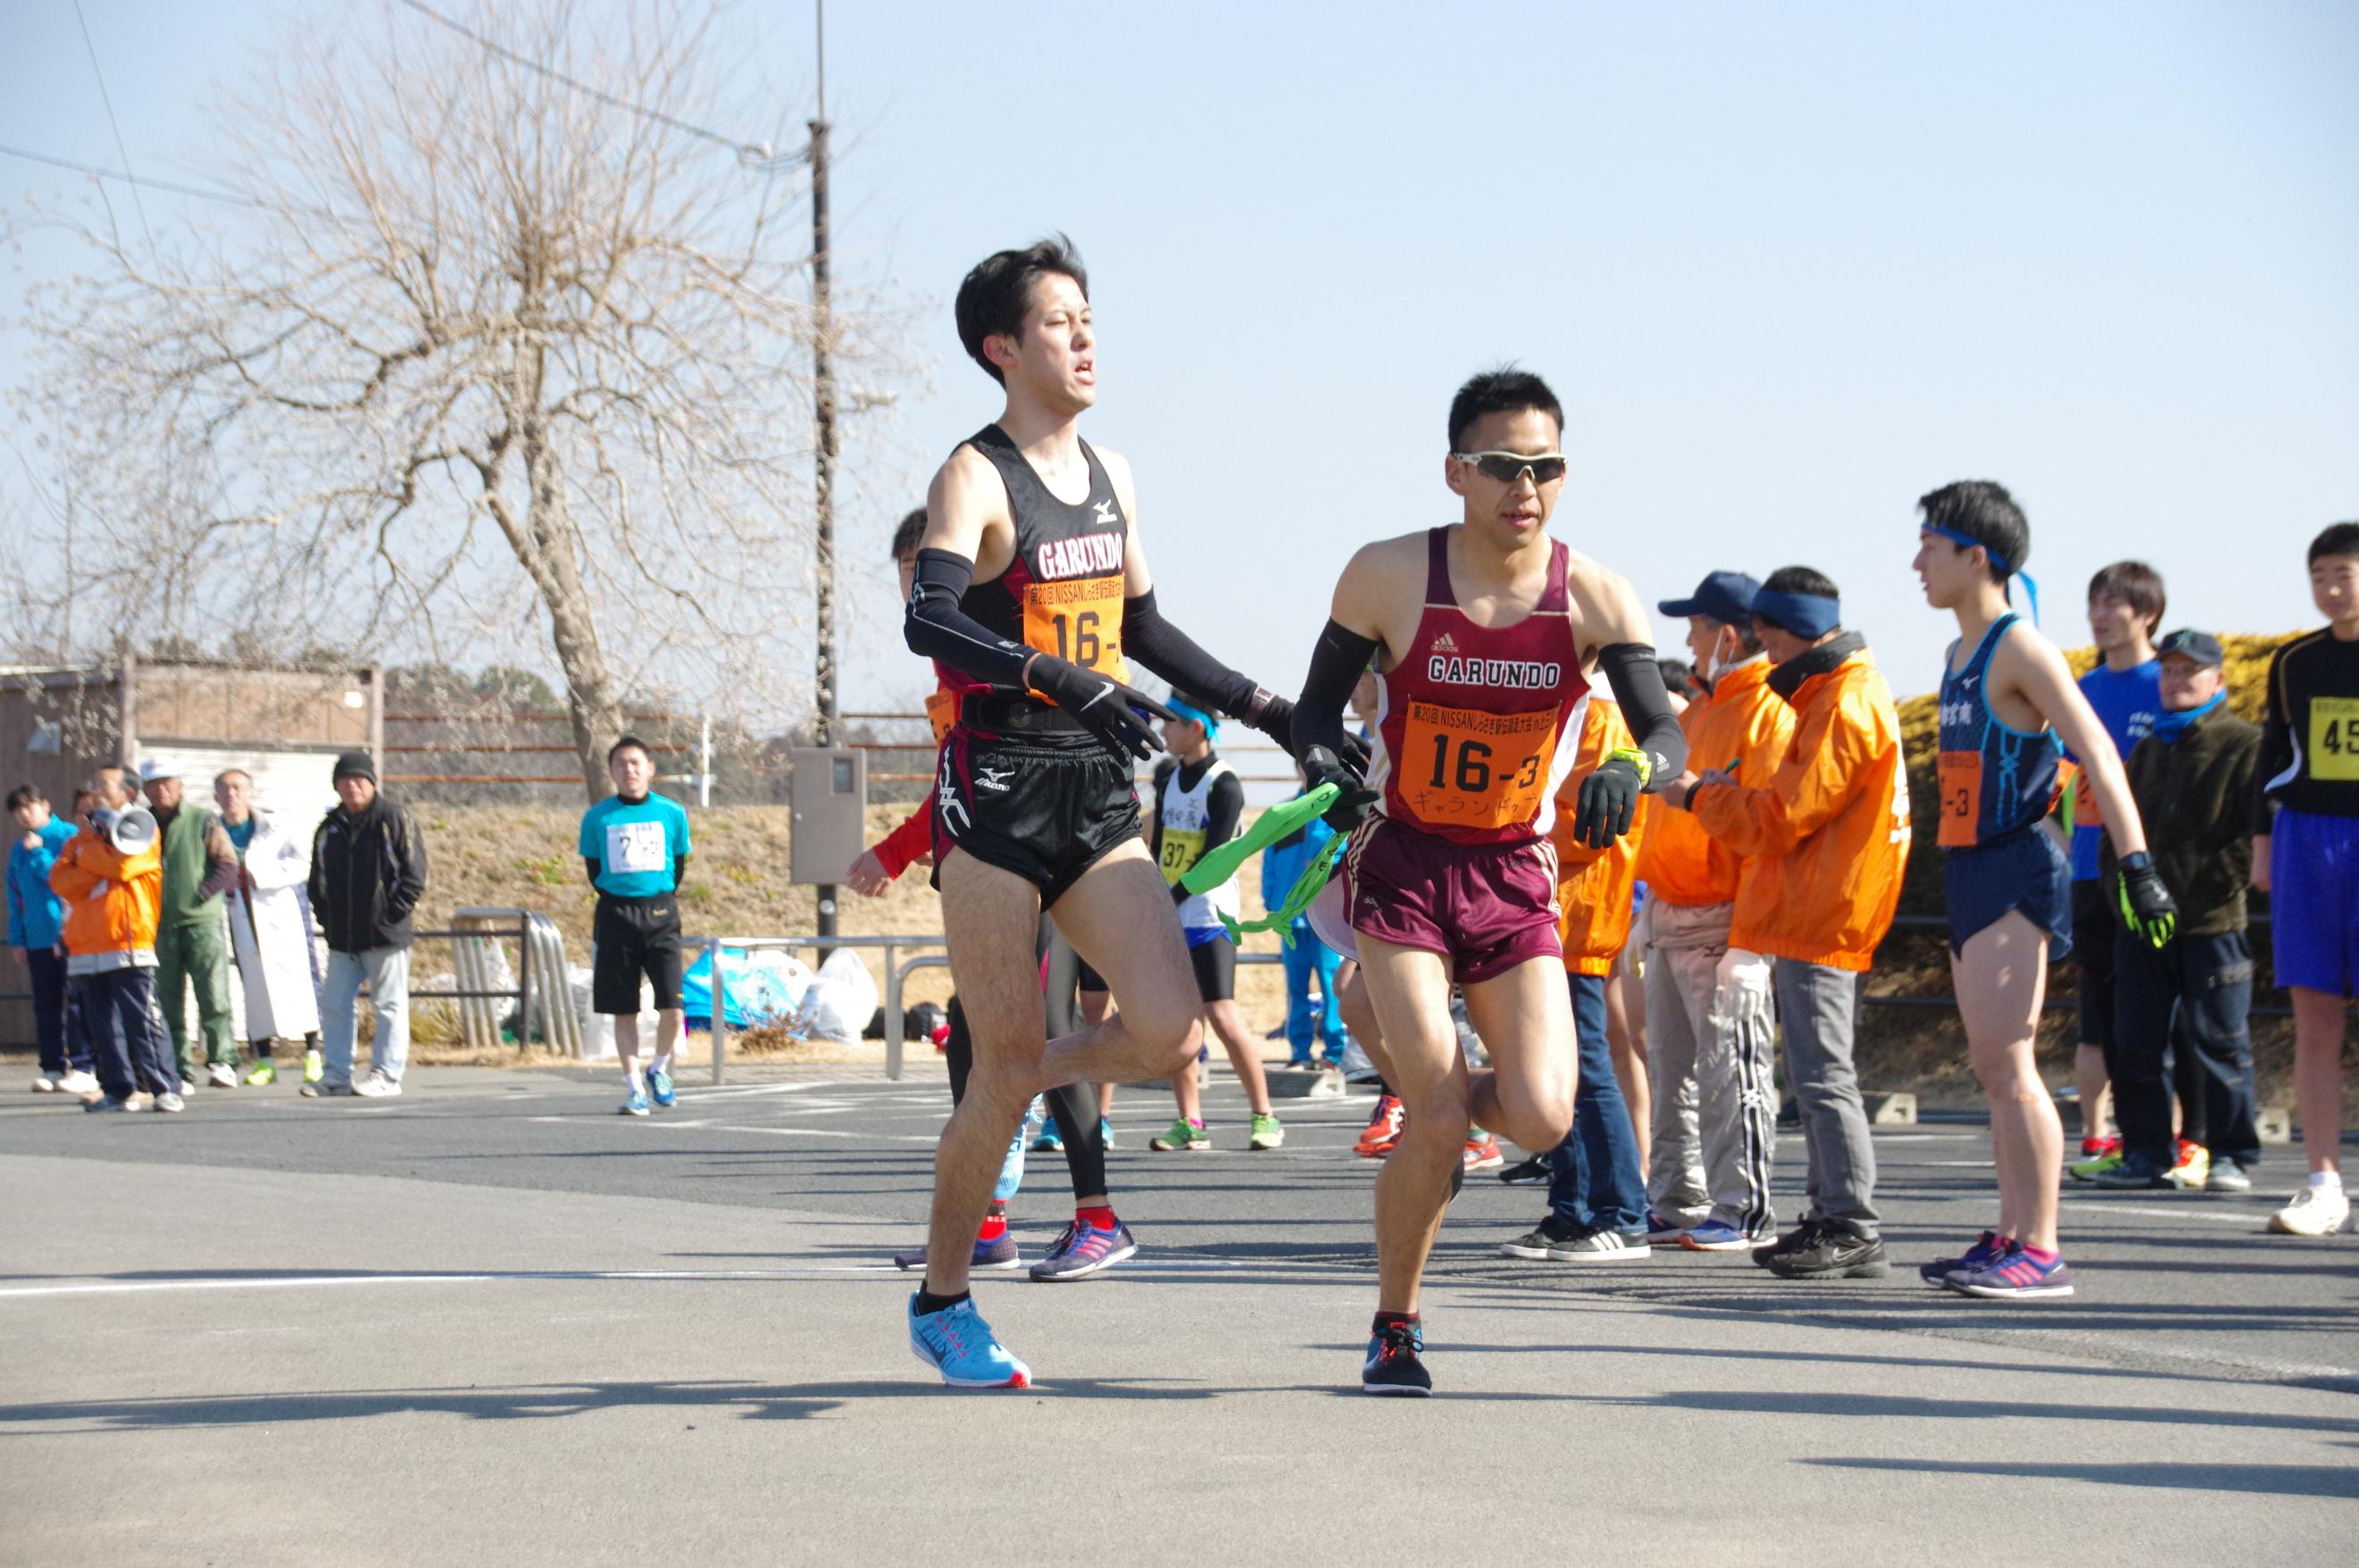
1506,467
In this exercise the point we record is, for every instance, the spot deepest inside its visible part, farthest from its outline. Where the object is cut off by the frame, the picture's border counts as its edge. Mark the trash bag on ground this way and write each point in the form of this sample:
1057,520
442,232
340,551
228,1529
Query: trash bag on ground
839,1001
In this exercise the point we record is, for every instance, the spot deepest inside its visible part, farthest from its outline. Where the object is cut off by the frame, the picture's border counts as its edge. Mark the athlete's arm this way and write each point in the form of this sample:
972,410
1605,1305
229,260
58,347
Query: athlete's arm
1224,809
2029,665
967,535
595,866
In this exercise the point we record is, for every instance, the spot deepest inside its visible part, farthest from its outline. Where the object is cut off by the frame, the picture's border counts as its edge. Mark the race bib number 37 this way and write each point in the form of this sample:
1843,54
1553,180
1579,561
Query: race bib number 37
635,846
1463,768
1080,621
2334,737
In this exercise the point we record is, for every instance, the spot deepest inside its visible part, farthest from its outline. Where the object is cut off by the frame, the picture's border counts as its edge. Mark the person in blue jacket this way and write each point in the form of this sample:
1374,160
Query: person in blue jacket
36,927
1281,864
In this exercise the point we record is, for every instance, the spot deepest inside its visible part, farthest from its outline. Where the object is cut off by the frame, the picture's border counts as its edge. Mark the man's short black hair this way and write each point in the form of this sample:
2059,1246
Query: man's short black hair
1984,512
2136,584
1802,580
25,795
1678,674
628,743
2340,539
1506,391
995,296
907,532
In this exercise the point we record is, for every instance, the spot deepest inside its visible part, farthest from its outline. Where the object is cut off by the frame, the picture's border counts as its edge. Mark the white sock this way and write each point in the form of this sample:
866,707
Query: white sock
632,1075
663,1062
2326,1180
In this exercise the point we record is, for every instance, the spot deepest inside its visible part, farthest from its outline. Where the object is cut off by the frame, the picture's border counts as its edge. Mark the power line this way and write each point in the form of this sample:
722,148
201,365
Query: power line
107,99
30,156
759,155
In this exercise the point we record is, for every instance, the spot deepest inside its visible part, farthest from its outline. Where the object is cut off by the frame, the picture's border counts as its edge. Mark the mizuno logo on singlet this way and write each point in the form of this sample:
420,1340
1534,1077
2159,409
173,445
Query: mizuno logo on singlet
1104,510
1090,555
1516,674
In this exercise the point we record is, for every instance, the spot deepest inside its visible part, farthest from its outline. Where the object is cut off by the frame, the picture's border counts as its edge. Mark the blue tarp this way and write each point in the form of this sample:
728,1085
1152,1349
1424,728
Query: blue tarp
752,993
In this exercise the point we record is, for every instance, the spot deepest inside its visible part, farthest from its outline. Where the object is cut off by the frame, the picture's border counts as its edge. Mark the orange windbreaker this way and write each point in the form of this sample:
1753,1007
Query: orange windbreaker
1831,827
110,900
1593,885
1740,722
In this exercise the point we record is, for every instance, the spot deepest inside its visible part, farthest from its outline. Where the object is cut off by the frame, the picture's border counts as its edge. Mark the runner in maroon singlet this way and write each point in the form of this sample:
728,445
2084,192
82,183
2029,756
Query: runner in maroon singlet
1480,631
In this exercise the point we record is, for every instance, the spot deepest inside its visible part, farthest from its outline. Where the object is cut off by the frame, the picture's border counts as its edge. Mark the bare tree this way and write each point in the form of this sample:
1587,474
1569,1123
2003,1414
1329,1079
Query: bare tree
491,341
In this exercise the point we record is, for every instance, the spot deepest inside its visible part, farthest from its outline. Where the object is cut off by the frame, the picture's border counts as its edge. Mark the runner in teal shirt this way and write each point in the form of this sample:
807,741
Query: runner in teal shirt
636,843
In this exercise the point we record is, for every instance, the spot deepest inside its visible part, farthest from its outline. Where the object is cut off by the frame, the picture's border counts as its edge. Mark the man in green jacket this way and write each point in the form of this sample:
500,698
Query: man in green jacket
191,935
2192,777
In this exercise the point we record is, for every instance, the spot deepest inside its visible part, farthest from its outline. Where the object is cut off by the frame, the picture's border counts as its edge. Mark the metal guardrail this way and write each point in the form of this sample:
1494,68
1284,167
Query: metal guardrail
543,989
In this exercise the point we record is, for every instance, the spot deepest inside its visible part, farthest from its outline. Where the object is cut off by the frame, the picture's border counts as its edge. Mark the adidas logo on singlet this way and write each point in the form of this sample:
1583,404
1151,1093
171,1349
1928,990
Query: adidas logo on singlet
1445,643
1514,674
1090,555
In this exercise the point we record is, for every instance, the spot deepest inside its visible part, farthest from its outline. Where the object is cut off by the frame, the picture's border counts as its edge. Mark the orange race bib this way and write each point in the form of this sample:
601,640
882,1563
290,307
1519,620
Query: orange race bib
1961,798
2086,813
942,712
1460,768
1080,621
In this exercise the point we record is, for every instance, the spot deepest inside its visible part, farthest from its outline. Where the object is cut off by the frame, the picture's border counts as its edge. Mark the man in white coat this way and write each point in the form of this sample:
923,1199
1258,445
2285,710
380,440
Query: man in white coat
270,929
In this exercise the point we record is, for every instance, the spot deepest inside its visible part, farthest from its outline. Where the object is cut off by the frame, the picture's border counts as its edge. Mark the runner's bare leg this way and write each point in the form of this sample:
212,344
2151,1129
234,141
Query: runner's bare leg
1525,1017
1120,918
1409,990
2001,978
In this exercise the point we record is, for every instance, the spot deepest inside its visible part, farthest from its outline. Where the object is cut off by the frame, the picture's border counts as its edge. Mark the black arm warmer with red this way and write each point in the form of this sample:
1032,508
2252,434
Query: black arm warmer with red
1336,666
1637,682
936,627
1171,653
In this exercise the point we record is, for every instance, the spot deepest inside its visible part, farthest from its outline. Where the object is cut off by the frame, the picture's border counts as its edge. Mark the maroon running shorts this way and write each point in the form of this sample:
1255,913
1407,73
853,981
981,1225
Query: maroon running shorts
1485,907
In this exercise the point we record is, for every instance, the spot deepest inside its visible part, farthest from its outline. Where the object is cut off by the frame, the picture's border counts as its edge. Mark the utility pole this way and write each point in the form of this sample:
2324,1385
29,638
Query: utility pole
823,406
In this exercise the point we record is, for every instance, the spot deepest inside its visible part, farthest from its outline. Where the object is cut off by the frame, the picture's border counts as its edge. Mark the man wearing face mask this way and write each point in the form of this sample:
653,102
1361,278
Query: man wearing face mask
1713,1033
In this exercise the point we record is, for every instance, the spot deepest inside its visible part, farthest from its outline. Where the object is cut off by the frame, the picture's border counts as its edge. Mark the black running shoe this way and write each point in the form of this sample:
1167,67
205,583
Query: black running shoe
1832,1254
1794,1240
2134,1174
1393,1366
1529,1172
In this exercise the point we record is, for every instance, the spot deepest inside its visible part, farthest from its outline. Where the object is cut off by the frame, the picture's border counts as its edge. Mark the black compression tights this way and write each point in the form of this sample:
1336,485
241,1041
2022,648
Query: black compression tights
1075,1106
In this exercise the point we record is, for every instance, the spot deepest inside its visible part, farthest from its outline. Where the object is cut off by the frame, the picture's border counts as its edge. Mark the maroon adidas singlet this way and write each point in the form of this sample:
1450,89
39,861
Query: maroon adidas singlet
1472,722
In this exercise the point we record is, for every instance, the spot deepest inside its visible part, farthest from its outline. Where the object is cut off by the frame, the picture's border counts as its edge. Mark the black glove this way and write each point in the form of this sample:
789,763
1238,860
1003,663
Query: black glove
1609,796
1105,706
1319,766
2147,909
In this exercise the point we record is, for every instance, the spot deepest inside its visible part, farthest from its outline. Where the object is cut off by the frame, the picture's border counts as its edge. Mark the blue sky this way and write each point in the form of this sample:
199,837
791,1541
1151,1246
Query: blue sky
1787,268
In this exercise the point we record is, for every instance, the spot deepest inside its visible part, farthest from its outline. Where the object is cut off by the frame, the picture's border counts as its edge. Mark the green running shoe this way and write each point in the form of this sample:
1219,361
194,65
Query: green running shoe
264,1071
1268,1132
315,1067
2090,1170
1184,1134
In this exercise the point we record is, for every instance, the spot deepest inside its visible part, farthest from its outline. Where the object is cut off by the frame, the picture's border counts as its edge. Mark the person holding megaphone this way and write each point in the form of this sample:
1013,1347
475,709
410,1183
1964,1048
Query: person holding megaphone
111,877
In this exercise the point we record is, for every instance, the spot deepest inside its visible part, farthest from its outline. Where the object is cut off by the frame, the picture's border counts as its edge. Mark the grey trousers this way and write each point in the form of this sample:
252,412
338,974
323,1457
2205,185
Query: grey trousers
1710,1038
1818,1006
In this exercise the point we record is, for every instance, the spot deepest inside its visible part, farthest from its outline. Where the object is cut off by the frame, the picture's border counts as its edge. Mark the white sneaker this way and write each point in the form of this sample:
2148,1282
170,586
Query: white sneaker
44,1084
378,1086
220,1076
187,1087
77,1084
169,1103
2315,1211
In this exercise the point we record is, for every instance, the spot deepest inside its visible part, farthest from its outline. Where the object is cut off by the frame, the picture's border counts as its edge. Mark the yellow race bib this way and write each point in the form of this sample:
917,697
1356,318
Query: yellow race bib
2334,737
1183,848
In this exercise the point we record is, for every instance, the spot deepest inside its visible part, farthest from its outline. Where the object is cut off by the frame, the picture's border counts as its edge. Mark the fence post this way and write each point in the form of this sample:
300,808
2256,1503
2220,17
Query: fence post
524,985
720,1009
893,1025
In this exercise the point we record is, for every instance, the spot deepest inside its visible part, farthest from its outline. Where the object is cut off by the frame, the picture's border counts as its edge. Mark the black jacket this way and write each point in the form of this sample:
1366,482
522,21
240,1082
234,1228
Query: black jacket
2194,796
367,874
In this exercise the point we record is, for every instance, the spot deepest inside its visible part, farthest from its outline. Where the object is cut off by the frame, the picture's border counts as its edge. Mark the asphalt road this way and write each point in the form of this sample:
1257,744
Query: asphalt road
494,1318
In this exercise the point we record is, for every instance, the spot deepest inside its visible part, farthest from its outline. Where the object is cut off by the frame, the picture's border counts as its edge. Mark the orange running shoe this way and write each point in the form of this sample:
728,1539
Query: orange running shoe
1483,1152
1384,1129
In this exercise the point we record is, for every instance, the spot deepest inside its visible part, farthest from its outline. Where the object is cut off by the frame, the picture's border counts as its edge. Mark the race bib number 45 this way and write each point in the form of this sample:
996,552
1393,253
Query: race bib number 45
2334,737
1463,768
635,846
1080,621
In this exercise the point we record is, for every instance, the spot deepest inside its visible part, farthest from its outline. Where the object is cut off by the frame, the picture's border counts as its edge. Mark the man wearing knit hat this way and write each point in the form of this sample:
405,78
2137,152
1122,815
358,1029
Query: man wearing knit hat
368,871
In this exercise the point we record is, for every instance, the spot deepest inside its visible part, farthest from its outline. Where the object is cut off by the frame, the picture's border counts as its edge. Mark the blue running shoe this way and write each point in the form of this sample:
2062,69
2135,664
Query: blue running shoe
997,1253
1011,1168
1661,1227
2013,1276
637,1106
1716,1236
659,1088
1084,1250
1980,1256
1049,1141
1105,1133
959,1344
1395,1364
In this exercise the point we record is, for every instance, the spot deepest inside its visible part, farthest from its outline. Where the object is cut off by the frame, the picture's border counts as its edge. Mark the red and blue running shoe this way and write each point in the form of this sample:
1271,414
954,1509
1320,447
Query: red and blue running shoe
1396,1364
959,1344
1984,1252
2013,1276
999,1252
1084,1249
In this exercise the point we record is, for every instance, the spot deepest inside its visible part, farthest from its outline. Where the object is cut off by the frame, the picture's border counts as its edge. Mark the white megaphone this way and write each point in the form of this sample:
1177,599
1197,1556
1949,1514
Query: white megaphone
130,829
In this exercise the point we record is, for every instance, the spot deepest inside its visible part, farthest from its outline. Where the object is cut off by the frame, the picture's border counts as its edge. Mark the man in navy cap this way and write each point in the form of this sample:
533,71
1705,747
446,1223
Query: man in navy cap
1712,1027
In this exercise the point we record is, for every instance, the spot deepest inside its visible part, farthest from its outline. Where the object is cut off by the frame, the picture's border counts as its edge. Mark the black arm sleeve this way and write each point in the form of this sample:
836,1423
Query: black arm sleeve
1336,666
1171,653
595,866
679,871
1224,807
1636,681
936,627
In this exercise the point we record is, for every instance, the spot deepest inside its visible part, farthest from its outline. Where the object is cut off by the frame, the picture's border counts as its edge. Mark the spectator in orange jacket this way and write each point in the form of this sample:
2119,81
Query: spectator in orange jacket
1830,833
1597,1184
1714,1026
113,901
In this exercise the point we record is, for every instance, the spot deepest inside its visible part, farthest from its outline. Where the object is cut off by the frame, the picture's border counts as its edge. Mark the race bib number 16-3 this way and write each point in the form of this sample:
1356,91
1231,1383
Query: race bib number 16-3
1460,768
1080,621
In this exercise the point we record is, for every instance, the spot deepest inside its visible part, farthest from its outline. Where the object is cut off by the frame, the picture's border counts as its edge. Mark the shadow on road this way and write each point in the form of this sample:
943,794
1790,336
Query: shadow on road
2268,1480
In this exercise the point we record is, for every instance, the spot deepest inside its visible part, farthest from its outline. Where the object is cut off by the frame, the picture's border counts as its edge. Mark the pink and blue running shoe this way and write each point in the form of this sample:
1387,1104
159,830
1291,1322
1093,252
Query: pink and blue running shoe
959,1344
997,1253
2013,1276
1084,1249
1984,1252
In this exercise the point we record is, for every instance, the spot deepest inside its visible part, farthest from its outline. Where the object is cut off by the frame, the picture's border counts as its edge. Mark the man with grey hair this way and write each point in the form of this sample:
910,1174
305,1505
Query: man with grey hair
270,928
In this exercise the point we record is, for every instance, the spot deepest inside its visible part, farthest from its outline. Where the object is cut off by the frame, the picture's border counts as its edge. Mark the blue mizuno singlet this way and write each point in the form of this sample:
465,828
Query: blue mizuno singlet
1995,779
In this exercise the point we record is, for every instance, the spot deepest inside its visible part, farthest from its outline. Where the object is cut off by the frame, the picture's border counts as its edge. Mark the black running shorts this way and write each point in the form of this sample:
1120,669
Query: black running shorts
630,937
1046,806
1215,963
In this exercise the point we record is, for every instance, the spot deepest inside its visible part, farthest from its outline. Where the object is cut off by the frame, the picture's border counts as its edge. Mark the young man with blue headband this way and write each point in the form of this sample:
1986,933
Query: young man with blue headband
1199,805
2007,700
